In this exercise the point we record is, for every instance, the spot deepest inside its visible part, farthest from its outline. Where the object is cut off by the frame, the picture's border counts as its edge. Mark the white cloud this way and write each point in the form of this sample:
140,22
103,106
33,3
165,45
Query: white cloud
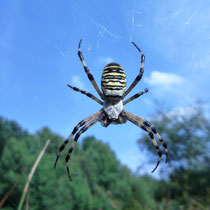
188,111
163,79
76,81
182,111
178,113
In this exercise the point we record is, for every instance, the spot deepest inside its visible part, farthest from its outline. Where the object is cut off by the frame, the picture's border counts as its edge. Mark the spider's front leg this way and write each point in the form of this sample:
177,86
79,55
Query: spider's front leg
141,72
87,71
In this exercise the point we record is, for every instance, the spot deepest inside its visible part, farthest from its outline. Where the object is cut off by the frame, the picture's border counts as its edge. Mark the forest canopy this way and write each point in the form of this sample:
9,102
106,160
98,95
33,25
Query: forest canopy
100,181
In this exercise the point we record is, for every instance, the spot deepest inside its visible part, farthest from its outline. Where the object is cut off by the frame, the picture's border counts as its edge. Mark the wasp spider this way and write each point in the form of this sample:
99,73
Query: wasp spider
113,85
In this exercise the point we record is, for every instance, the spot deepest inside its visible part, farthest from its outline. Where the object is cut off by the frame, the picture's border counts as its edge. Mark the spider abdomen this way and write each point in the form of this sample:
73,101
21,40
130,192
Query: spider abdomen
113,80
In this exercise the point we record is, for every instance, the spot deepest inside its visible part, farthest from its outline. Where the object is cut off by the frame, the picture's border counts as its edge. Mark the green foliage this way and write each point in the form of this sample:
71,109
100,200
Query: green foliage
99,180
9,129
188,138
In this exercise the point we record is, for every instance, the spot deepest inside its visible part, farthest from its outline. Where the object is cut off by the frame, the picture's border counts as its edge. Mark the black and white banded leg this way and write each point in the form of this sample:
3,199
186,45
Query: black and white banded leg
79,125
82,130
153,129
87,94
141,72
135,96
149,125
90,76
144,125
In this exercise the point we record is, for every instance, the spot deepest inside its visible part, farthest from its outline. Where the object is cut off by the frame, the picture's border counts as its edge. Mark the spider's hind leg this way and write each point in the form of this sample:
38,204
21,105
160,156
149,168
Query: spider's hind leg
153,129
144,125
154,143
79,125
82,130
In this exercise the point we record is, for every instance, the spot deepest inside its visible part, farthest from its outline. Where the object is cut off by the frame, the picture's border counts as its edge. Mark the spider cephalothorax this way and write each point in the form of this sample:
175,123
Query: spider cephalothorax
113,84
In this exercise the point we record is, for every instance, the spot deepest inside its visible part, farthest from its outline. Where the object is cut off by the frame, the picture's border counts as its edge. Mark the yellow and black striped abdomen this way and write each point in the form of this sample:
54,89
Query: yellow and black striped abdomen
113,80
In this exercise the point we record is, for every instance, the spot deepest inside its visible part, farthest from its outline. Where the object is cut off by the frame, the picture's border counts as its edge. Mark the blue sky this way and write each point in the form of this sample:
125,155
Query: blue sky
38,57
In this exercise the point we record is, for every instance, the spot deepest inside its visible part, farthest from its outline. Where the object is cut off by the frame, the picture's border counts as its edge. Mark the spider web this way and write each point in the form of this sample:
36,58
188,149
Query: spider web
122,31
102,32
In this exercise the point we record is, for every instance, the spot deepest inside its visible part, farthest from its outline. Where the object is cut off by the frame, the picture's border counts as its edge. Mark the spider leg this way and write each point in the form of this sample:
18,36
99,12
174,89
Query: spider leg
130,117
90,76
135,96
79,125
82,130
148,124
138,78
86,93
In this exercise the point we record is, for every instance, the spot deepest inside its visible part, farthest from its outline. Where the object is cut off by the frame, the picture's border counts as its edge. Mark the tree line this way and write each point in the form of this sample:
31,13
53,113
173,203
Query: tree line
100,181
